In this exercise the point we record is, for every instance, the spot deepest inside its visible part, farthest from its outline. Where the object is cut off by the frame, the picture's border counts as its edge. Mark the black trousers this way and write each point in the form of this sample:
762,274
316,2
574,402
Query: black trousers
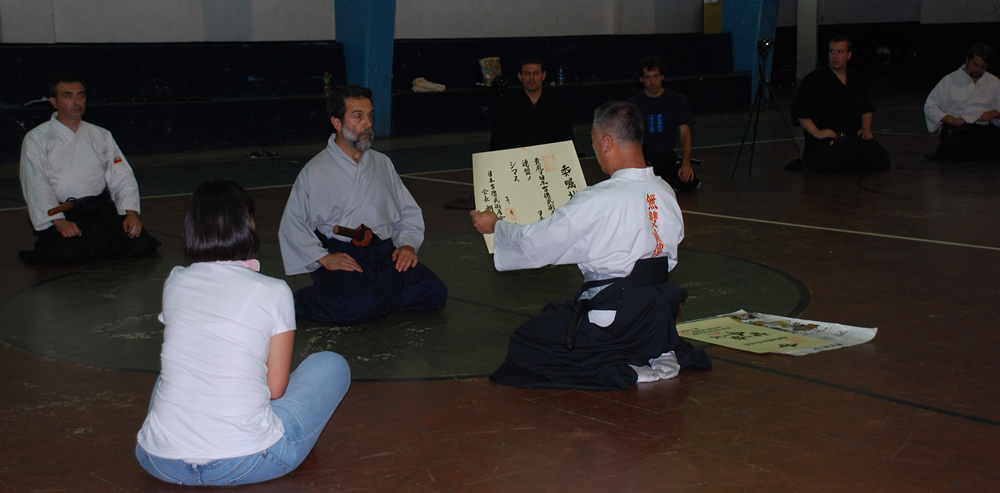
666,165
344,297
968,143
102,236
849,153
646,305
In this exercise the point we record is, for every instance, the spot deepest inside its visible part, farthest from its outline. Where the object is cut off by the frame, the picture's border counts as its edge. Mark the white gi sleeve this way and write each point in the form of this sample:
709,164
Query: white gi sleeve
38,193
555,240
118,173
933,113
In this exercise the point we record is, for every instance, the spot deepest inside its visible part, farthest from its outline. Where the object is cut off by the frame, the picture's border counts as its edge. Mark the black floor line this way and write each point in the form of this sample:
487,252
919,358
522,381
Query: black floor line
873,395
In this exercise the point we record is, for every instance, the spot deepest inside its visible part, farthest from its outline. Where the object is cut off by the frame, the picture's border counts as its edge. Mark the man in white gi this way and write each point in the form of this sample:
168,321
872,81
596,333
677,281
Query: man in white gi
623,234
965,106
350,185
69,162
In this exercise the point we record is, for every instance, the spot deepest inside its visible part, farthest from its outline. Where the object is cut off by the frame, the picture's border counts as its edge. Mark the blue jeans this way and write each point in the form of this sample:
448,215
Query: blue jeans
314,390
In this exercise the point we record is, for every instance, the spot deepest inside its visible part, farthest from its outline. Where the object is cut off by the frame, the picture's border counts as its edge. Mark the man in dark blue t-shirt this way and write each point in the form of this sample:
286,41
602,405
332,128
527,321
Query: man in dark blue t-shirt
667,115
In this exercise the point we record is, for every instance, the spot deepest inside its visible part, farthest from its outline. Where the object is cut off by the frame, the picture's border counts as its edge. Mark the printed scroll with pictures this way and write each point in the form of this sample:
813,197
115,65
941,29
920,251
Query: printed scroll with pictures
763,333
526,184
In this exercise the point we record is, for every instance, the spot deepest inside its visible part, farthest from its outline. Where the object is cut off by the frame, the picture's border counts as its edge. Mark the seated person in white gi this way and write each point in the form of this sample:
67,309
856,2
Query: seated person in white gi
350,185
965,106
623,234
69,160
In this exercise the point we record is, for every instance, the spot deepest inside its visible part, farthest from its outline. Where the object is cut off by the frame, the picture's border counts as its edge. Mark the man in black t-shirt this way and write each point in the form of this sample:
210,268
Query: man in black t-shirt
529,117
667,115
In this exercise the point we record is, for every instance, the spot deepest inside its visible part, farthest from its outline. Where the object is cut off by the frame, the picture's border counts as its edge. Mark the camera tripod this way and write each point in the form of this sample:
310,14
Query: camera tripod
764,90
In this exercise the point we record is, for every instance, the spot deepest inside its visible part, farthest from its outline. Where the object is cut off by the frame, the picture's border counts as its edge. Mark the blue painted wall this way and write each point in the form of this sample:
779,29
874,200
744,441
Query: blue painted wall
750,21
367,30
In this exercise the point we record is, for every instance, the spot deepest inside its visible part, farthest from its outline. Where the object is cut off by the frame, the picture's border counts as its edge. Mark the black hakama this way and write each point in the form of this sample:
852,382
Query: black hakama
647,304
344,297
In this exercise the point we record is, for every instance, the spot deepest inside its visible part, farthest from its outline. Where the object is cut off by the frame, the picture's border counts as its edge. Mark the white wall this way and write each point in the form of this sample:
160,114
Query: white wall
125,21
26,21
959,11
429,19
858,11
131,21
870,11
118,21
293,20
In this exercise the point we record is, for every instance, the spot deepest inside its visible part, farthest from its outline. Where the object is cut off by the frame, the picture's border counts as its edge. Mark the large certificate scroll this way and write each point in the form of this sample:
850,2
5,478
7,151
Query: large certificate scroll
526,184
763,333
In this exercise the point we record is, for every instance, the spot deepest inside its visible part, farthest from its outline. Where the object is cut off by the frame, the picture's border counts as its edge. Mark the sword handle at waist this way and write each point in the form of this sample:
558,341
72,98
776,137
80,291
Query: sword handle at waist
63,207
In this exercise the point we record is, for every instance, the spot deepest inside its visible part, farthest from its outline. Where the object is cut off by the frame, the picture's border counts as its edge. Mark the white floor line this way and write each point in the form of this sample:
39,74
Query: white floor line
848,231
779,223
906,134
800,139
437,180
747,143
267,187
418,176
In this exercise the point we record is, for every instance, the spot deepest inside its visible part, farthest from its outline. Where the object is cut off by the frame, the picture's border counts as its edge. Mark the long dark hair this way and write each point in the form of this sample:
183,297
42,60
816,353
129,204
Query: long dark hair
219,224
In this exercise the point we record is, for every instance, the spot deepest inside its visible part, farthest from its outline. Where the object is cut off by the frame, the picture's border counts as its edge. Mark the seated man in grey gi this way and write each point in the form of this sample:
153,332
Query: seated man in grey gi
352,224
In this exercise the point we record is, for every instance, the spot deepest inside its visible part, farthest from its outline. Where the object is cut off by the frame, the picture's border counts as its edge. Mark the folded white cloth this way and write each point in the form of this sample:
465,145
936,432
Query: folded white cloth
421,84
662,367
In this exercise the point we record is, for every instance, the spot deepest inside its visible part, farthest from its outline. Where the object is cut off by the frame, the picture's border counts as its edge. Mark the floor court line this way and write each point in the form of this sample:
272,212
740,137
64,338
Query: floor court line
284,185
847,231
418,176
764,221
866,393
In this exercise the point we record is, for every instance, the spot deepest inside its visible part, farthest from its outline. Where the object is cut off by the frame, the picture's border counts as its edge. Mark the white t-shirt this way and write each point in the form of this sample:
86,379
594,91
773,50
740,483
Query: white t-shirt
212,400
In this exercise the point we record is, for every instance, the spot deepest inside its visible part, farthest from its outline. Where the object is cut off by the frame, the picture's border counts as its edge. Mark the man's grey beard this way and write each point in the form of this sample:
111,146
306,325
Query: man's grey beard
356,142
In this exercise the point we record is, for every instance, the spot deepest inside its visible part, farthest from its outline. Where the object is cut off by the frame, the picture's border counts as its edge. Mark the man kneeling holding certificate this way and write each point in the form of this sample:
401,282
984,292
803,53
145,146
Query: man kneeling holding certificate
623,235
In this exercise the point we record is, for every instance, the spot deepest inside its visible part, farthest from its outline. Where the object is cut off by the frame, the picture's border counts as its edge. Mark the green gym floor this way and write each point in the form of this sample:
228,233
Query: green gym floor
914,251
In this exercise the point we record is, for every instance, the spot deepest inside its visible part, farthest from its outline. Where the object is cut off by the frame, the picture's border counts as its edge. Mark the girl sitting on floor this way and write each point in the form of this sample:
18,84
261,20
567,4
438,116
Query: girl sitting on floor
225,410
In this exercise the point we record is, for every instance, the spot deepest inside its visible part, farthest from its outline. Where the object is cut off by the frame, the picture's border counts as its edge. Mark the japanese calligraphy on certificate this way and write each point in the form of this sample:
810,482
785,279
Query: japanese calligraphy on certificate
526,184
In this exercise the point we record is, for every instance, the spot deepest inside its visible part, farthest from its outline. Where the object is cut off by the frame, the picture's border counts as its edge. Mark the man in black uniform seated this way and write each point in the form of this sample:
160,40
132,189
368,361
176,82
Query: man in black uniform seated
530,117
834,110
